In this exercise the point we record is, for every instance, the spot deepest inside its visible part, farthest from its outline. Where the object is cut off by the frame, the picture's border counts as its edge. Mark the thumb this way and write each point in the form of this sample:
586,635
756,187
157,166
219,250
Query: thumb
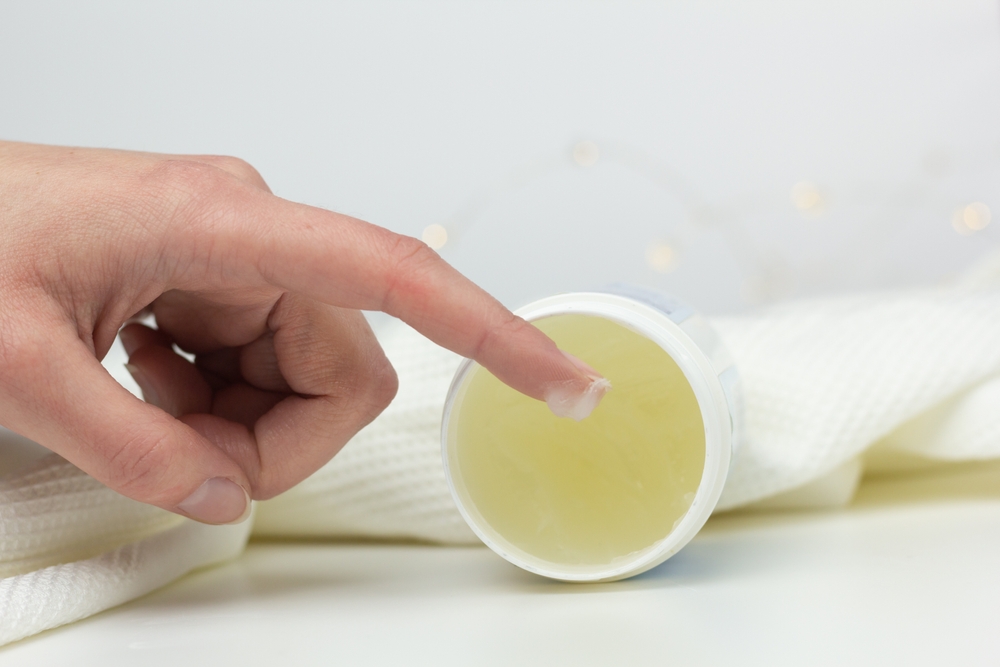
54,391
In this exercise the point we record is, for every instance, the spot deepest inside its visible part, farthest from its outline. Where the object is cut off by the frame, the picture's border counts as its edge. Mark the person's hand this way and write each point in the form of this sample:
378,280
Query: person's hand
264,292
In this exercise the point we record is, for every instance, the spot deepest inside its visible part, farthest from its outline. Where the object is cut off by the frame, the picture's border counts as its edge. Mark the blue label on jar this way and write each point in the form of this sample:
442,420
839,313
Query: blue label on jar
676,310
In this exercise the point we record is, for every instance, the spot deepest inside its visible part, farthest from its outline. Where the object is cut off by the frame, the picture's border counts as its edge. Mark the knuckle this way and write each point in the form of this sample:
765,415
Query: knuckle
25,356
18,354
508,328
411,255
381,386
197,188
410,261
373,390
237,167
354,369
362,386
190,192
138,463
368,385
190,178
201,203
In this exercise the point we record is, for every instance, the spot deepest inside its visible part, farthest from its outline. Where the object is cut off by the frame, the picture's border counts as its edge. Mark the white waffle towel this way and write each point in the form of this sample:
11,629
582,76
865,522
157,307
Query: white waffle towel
825,381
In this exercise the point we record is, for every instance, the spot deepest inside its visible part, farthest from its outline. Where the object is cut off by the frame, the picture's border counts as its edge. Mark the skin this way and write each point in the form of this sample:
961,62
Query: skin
266,294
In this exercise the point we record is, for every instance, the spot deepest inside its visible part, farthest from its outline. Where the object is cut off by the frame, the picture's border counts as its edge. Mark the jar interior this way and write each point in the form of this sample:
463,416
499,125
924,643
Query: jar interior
587,494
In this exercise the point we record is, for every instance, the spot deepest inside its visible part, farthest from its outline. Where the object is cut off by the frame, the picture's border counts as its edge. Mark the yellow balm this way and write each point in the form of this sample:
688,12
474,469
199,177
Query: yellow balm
593,492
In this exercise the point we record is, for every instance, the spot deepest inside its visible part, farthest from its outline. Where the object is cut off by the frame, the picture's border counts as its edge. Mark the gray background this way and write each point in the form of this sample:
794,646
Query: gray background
466,114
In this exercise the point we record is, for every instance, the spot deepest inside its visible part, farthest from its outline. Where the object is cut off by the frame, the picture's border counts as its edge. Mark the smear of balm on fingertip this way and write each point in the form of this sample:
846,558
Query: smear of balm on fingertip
566,402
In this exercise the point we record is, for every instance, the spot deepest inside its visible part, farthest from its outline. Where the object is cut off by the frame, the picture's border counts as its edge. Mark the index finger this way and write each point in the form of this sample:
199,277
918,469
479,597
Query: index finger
346,262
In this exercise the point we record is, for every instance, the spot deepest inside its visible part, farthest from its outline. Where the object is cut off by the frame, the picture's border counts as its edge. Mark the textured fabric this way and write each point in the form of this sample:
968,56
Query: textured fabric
52,513
53,596
825,381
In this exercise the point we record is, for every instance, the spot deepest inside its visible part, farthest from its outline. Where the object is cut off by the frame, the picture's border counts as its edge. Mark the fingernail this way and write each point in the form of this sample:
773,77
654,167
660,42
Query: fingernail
572,402
576,404
148,391
579,363
217,501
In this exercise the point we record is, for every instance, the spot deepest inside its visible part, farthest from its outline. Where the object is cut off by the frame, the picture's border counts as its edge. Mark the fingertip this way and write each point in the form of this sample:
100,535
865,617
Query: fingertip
530,362
217,501
574,404
578,397
538,368
146,385
130,337
169,381
135,336
582,366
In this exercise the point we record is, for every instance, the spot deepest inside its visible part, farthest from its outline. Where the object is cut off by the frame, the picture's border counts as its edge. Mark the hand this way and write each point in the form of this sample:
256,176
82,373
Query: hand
264,292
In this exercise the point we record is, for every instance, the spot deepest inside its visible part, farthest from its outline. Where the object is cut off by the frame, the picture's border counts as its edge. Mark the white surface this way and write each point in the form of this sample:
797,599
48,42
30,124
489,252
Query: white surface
906,576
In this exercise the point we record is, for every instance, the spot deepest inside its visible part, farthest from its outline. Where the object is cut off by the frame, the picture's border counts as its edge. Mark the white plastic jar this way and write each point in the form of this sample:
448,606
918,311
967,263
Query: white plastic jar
534,490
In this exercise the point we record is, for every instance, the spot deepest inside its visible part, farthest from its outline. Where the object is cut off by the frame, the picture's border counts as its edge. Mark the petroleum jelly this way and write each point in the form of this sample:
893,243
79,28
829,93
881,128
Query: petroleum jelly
591,492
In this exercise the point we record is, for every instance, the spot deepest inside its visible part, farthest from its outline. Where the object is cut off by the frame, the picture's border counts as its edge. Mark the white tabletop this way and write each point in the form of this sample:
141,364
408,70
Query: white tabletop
906,575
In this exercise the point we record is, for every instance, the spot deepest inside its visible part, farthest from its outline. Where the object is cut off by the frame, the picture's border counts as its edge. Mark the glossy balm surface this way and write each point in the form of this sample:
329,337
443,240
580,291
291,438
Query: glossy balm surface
594,491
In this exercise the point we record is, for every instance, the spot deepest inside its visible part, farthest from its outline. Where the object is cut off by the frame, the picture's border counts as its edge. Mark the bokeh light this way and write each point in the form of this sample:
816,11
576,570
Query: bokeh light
435,236
586,154
970,219
806,196
661,257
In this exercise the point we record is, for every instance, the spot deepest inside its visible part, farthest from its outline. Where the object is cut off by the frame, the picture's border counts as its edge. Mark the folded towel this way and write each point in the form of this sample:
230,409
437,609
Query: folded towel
826,381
